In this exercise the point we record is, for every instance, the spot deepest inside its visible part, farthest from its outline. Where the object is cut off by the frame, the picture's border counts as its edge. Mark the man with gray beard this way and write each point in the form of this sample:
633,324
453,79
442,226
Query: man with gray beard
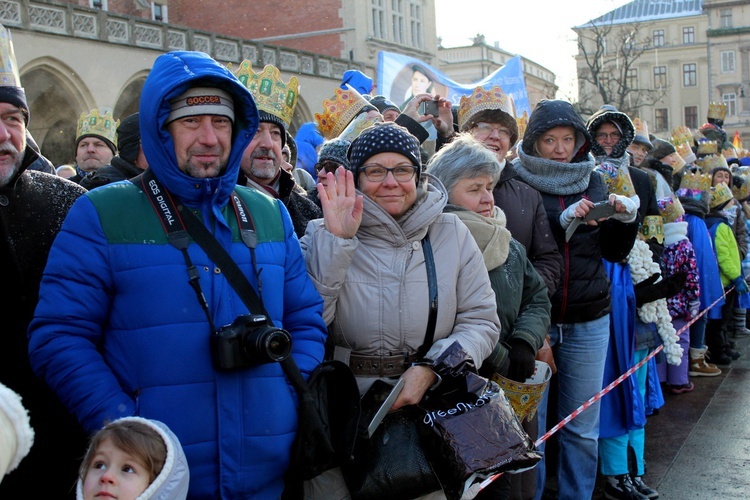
261,163
32,208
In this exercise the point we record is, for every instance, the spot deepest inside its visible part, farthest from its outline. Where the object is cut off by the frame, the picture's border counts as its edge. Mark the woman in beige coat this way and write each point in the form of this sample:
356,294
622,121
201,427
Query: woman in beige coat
366,260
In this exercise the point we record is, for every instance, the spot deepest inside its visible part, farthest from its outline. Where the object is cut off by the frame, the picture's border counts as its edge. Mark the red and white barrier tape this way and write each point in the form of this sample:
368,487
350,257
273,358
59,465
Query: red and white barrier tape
607,389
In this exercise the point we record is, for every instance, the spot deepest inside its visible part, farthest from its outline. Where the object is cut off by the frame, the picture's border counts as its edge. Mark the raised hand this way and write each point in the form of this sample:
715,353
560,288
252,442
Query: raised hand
342,206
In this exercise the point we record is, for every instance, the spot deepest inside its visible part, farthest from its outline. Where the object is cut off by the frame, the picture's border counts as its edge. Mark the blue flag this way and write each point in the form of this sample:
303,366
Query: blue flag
400,77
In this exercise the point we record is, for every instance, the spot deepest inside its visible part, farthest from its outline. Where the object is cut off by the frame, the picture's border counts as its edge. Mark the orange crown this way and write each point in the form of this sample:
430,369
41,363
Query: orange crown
482,100
339,111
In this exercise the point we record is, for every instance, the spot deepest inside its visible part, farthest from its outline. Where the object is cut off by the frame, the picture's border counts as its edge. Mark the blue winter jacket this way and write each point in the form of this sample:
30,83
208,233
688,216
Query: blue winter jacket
119,331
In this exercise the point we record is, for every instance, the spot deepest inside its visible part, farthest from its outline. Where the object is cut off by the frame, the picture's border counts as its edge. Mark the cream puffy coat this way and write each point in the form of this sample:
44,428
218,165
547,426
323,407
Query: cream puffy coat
375,288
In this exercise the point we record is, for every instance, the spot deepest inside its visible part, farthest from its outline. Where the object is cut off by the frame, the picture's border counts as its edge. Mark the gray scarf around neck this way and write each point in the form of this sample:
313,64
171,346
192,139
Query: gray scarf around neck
553,177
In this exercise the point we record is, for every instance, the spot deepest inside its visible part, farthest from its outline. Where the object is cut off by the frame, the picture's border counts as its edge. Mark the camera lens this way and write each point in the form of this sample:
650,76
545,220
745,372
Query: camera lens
266,344
278,345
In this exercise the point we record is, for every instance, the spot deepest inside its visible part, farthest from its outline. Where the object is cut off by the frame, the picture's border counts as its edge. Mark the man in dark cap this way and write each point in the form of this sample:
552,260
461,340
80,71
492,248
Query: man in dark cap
261,166
126,165
31,215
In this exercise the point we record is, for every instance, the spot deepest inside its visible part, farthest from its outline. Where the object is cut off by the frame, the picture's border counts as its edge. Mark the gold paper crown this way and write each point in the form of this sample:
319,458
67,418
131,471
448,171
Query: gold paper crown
523,122
729,153
358,125
339,111
652,227
717,110
684,150
617,179
670,208
271,94
696,181
97,124
9,76
720,194
682,135
524,397
708,163
641,128
482,100
708,147
741,192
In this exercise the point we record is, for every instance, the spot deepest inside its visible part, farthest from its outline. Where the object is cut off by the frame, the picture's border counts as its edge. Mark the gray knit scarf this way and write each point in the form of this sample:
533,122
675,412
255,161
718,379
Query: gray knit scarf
553,177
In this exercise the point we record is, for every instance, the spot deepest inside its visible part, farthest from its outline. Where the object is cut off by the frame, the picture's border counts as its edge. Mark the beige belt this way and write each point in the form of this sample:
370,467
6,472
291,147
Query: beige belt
380,366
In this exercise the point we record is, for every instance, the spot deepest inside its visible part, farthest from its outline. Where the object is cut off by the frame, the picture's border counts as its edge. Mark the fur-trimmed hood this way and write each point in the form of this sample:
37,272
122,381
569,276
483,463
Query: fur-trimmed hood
608,113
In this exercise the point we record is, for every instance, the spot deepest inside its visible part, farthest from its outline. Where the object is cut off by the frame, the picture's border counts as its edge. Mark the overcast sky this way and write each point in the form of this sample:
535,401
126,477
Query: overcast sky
536,29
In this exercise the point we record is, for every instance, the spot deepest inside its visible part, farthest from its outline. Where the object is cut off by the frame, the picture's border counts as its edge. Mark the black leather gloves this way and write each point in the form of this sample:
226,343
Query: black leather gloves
521,356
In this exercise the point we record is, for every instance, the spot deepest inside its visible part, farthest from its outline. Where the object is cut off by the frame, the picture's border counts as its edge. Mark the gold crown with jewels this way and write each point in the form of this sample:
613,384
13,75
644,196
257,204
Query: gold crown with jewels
339,111
697,181
682,135
720,194
710,162
94,123
670,208
652,228
717,110
482,100
741,192
270,92
9,76
706,147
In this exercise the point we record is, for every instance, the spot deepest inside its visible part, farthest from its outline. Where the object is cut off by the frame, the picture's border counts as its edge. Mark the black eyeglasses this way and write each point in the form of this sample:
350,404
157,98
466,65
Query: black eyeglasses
327,166
377,173
602,136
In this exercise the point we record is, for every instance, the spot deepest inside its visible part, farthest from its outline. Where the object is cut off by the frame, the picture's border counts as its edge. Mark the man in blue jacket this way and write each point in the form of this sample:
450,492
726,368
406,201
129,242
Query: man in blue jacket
128,308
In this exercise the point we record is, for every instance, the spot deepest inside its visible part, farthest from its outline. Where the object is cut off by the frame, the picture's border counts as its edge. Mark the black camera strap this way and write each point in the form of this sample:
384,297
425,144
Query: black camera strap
429,262
179,221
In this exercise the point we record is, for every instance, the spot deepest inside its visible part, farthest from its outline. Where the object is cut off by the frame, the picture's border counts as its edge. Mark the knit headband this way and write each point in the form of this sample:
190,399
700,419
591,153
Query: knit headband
202,101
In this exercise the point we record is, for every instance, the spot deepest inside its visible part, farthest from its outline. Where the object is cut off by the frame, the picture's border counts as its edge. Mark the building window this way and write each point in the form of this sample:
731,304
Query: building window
658,38
688,34
727,61
378,19
417,34
730,99
689,75
631,78
660,77
726,18
661,121
159,12
397,16
98,4
691,116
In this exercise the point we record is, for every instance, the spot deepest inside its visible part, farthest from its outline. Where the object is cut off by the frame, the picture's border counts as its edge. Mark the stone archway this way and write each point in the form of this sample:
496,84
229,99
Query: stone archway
55,96
130,96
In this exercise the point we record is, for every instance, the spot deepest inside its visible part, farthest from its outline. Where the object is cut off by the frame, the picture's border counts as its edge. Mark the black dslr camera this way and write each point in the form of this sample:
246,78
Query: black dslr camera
249,341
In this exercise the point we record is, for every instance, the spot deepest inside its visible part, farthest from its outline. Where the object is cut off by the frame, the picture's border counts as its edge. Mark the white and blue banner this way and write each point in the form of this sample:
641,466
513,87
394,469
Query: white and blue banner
401,77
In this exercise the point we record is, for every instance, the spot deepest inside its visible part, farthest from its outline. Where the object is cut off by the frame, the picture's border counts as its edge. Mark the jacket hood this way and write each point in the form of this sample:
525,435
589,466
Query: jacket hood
172,74
173,480
610,114
551,113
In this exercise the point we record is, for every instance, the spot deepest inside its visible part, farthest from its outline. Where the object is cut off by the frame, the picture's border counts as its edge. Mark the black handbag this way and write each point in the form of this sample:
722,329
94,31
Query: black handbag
393,464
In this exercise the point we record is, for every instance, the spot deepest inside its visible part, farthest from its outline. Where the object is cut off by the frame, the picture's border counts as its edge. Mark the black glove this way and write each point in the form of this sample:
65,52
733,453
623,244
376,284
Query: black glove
521,356
647,291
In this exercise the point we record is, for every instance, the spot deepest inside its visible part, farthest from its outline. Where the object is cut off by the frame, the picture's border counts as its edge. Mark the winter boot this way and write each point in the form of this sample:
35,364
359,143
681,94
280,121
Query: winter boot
739,323
621,488
698,365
